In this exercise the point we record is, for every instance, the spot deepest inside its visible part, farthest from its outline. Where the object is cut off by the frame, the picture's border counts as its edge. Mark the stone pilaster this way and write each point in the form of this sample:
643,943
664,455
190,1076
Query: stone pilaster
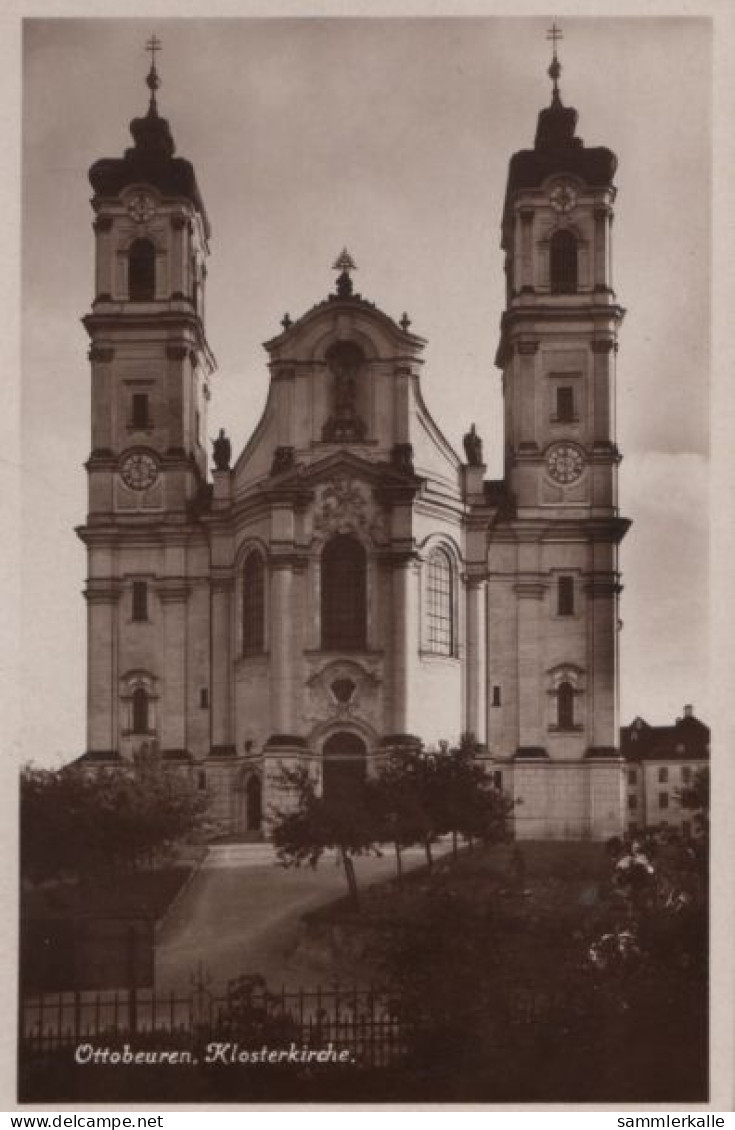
104,277
602,597
173,593
405,642
180,283
527,279
402,404
221,699
282,647
176,356
101,358
603,423
530,590
603,220
476,679
102,675
525,397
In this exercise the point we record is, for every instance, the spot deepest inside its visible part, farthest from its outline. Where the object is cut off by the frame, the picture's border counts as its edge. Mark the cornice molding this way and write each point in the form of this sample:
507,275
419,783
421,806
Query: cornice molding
101,353
177,352
171,589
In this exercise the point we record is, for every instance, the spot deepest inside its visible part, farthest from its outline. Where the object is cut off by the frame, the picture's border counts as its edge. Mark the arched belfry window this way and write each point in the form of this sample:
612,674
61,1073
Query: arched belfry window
565,706
140,711
563,268
142,271
253,604
439,604
344,594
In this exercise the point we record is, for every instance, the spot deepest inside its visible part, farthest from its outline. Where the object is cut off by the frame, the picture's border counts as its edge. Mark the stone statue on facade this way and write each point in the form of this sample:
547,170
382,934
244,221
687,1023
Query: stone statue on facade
222,451
345,424
473,447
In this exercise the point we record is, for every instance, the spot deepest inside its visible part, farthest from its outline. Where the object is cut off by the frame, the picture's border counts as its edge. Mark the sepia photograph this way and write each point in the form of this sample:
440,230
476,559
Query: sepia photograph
365,433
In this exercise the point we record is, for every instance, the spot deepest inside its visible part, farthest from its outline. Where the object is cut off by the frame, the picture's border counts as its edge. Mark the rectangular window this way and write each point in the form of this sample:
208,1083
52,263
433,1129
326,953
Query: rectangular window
141,410
663,775
565,596
632,777
632,801
496,696
663,800
204,698
140,600
497,779
564,403
686,775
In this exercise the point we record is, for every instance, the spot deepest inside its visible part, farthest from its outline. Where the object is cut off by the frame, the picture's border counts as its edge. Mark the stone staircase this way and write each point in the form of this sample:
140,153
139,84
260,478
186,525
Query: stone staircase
262,854
235,854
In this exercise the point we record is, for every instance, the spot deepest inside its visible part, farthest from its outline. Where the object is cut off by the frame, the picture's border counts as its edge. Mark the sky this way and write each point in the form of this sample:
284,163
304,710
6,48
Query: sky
390,137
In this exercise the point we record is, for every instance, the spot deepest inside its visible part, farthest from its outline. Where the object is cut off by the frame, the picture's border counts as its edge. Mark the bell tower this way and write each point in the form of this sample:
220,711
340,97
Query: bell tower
150,359
556,699
150,372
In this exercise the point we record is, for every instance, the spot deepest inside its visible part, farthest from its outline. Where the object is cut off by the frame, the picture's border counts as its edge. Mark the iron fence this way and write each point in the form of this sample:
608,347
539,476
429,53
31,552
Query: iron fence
352,1020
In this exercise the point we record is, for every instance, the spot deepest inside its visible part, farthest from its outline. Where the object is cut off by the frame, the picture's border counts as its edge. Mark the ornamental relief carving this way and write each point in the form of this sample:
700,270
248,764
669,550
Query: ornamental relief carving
345,506
342,690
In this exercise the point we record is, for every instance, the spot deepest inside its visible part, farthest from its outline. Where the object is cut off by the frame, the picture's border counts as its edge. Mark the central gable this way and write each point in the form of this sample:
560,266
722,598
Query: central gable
345,376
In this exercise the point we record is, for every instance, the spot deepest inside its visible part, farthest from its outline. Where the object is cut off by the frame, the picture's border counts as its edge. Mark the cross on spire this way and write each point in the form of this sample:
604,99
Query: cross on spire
153,81
344,262
153,45
554,34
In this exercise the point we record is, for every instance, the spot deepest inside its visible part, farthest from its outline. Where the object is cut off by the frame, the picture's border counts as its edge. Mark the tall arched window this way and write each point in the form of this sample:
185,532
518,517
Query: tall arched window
563,263
142,270
344,594
140,711
565,706
439,604
253,604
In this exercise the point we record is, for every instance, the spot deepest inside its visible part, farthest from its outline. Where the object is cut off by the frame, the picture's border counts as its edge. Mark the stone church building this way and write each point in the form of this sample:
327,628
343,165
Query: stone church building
304,601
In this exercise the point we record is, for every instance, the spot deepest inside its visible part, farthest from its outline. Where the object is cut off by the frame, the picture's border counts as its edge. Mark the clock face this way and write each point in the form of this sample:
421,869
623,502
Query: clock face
139,471
563,198
565,463
142,207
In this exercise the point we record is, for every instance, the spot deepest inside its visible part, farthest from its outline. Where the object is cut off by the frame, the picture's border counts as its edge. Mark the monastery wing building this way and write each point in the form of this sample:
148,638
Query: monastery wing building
349,583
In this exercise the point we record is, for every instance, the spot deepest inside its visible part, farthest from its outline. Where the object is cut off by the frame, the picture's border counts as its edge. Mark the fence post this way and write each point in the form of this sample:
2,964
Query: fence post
77,1015
132,981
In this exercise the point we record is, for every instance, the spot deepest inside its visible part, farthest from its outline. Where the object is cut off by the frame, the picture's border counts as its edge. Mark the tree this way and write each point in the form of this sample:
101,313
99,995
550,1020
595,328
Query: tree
401,804
80,821
347,822
472,806
423,795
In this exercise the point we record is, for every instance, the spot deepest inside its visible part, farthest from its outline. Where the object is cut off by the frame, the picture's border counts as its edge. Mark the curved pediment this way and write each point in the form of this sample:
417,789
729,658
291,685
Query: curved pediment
350,318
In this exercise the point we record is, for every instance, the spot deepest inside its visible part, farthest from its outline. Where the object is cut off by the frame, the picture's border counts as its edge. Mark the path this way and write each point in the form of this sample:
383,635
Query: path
242,914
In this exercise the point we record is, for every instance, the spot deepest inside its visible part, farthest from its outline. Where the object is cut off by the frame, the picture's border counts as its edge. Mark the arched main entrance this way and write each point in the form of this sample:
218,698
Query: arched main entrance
254,804
248,805
344,765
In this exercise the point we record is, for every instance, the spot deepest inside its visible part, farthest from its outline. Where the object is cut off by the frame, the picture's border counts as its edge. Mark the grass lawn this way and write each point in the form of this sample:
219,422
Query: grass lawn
490,969
538,923
144,894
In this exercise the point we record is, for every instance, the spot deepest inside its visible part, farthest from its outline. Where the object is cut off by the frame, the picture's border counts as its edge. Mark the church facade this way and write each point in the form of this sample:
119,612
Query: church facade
313,600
